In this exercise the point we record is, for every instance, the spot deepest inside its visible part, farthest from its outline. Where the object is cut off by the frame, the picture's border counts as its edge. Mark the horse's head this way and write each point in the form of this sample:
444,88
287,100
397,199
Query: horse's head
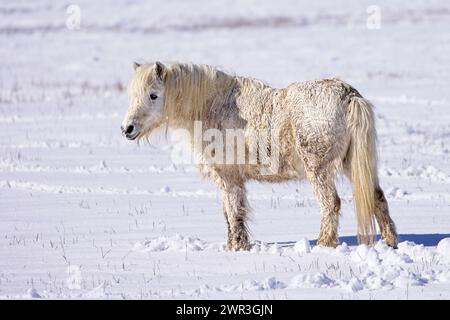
146,101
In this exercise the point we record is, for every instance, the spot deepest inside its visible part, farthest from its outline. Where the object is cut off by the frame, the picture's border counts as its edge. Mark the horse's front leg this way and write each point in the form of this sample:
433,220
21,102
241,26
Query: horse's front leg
236,210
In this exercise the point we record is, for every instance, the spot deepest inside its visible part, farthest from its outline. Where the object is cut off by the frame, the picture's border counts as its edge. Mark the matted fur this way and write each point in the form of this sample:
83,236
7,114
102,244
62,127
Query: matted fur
319,127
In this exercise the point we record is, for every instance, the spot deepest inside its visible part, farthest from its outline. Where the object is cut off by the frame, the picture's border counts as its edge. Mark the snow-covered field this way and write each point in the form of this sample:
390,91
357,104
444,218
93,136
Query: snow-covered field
86,214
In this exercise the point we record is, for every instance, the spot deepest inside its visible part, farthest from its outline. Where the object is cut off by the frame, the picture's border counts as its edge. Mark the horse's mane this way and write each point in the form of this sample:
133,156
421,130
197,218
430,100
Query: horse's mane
191,88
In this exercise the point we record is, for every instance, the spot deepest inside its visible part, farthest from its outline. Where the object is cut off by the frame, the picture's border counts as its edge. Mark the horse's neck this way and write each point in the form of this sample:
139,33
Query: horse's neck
217,90
255,93
227,93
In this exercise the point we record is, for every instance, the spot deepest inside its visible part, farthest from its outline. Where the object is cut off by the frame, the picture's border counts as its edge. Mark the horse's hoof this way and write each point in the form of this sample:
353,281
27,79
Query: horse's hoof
229,247
240,246
391,241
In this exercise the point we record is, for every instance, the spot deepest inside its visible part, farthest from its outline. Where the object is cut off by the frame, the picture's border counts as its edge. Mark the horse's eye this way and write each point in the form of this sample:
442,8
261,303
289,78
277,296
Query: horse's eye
153,96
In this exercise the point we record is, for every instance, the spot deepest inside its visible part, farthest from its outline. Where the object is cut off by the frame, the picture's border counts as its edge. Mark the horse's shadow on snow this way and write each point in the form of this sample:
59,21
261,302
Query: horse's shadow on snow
428,240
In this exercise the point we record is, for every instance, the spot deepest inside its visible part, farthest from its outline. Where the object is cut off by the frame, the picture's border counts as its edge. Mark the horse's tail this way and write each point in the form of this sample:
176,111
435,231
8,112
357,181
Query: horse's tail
361,163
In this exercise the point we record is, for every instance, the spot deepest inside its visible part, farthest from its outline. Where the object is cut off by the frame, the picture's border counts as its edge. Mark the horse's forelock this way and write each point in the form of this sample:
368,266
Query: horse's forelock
141,80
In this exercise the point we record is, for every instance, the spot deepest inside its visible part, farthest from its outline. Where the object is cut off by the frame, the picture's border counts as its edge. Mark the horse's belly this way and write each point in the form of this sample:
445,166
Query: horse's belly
288,167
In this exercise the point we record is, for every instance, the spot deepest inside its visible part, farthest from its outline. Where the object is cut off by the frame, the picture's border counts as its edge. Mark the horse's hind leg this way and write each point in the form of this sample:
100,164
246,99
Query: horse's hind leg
384,221
322,181
387,226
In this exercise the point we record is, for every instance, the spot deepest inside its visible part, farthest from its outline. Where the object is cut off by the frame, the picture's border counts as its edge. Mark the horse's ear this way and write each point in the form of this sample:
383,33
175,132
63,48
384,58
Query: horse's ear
136,65
160,70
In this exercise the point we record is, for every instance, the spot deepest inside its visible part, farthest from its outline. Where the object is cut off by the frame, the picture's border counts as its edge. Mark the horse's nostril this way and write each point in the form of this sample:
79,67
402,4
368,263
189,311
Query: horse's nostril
130,129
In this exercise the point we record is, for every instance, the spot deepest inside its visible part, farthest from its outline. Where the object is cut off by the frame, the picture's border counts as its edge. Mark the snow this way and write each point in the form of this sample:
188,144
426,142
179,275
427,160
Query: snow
302,246
86,214
443,248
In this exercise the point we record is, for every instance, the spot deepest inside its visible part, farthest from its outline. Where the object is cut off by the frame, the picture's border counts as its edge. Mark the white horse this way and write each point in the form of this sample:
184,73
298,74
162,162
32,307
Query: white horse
317,129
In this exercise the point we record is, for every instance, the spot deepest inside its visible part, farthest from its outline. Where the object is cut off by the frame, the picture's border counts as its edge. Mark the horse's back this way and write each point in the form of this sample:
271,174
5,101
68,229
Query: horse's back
319,94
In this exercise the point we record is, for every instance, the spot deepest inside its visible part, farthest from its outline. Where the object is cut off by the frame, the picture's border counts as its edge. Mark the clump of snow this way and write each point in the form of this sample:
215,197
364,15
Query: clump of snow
171,243
103,164
302,246
165,189
263,247
364,253
318,280
443,248
273,283
396,193
33,293
406,279
343,248
270,283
